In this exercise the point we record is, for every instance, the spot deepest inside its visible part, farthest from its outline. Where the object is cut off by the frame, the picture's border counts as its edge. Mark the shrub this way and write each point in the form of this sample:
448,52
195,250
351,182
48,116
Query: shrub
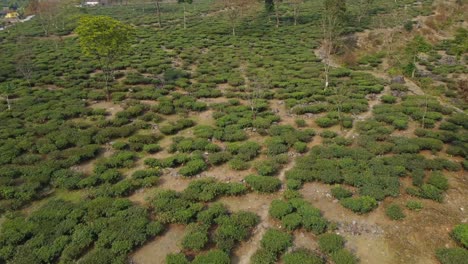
431,192
388,99
340,193
360,205
293,184
193,167
438,180
414,205
325,122
178,258
215,256
196,237
218,158
300,122
452,255
302,256
276,241
267,167
151,148
263,256
263,184
460,234
238,164
300,147
330,243
291,221
343,256
394,212
315,224
280,208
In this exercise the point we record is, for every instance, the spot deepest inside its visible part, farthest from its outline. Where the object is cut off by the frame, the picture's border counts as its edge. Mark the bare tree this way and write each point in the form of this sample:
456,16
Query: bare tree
236,10
24,62
257,87
158,12
295,6
332,21
364,7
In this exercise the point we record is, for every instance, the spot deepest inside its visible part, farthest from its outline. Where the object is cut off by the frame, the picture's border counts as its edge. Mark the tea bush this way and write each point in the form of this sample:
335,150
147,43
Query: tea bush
394,212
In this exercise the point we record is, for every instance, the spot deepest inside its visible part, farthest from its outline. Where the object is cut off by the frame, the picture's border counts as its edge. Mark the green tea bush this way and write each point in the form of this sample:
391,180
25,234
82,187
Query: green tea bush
394,212
174,127
263,256
178,258
330,243
193,167
460,234
452,255
326,122
263,184
267,167
280,208
340,193
360,205
438,180
343,256
196,237
276,241
388,99
214,256
238,164
414,205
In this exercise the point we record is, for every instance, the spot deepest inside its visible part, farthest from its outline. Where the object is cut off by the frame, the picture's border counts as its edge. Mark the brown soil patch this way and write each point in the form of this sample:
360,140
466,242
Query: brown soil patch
155,251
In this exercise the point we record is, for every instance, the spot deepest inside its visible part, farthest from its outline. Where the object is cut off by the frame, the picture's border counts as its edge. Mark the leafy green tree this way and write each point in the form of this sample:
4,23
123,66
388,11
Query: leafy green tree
105,39
184,2
413,49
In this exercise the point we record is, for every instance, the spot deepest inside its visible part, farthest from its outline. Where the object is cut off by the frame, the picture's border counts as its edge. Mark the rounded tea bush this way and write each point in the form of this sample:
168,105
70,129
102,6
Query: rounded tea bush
360,205
460,234
394,212
414,205
343,256
276,241
330,243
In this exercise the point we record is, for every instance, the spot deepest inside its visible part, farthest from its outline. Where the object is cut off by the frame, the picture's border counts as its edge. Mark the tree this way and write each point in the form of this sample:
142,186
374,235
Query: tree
295,5
6,90
413,49
236,9
333,17
258,88
183,2
24,60
277,11
46,12
364,7
158,12
105,39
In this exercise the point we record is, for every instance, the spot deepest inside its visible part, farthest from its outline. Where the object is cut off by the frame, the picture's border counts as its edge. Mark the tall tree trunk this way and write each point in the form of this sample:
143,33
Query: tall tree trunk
8,102
158,8
185,18
295,15
277,15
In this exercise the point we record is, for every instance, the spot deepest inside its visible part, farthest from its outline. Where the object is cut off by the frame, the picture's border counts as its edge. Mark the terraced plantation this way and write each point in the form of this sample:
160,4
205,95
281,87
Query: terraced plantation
234,131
